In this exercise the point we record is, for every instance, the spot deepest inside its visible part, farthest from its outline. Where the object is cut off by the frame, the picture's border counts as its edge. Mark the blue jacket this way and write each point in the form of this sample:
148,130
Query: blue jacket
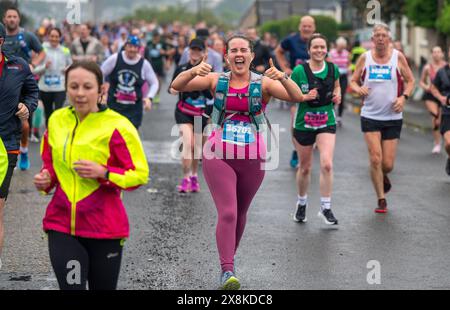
17,84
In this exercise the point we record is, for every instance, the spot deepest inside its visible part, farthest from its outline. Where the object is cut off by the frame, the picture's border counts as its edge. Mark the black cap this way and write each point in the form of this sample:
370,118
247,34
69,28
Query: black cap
2,31
197,43
202,33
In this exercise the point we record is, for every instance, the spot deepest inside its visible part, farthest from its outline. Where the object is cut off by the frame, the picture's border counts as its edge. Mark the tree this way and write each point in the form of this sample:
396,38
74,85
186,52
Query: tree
171,13
422,13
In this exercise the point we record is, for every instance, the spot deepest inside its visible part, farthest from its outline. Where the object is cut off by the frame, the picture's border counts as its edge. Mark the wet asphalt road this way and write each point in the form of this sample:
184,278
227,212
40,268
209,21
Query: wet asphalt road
172,243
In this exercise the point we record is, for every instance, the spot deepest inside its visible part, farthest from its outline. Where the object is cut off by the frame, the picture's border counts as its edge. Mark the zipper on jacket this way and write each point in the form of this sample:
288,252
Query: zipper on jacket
74,204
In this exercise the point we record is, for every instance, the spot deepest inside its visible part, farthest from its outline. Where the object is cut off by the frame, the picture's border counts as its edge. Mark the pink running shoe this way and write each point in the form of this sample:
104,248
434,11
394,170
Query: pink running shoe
195,186
184,186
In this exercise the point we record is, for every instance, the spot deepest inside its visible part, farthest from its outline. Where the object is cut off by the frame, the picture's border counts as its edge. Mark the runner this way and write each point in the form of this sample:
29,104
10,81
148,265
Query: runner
155,53
378,78
86,221
315,122
341,57
51,83
232,161
87,47
441,90
191,106
262,51
433,104
127,71
18,97
21,43
296,45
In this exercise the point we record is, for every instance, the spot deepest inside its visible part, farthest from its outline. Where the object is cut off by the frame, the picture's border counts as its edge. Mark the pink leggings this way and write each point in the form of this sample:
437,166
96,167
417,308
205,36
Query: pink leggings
233,183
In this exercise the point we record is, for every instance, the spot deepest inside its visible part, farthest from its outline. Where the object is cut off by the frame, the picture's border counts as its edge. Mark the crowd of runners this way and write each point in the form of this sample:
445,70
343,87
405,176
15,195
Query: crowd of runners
89,86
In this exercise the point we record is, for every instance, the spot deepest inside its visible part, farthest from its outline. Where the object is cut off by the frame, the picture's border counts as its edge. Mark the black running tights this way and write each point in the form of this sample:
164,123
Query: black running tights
78,261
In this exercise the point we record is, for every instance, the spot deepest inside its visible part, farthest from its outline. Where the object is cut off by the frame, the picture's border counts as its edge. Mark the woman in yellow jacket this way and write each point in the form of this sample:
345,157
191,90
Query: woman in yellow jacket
90,154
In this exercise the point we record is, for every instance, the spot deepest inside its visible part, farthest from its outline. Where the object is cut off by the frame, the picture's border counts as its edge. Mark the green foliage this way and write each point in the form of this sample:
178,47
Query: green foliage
443,22
422,12
325,25
171,13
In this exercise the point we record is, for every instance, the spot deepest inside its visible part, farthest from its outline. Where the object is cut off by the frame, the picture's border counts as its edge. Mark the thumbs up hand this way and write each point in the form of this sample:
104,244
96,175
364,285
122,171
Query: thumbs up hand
273,73
203,68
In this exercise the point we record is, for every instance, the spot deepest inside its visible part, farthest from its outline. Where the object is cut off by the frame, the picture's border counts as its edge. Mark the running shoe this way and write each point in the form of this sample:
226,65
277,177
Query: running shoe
34,139
228,281
294,160
328,217
436,149
300,214
157,99
386,184
24,163
447,166
195,186
184,186
382,206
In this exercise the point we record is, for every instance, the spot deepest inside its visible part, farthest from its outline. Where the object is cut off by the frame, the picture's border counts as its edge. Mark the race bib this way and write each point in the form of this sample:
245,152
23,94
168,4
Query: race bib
236,132
52,80
198,103
380,73
126,98
316,120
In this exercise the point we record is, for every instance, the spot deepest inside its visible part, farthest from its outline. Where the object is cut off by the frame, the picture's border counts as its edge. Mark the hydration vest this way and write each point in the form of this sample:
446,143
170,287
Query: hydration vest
254,96
324,87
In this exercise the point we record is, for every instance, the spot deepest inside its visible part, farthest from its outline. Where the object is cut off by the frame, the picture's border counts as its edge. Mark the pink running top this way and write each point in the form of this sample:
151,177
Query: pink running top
255,150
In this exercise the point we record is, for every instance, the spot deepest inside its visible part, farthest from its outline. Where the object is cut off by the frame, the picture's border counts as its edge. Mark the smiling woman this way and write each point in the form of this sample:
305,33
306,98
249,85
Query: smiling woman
234,155
89,165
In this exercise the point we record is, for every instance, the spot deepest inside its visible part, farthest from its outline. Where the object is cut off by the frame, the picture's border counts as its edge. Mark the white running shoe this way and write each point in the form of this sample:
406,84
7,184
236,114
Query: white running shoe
436,149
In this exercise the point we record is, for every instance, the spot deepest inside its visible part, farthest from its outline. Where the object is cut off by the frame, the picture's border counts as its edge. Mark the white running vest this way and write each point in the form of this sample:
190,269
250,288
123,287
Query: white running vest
383,84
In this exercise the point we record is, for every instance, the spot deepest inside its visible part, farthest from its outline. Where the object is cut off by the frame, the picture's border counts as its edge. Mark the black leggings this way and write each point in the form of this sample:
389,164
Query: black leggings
52,101
77,261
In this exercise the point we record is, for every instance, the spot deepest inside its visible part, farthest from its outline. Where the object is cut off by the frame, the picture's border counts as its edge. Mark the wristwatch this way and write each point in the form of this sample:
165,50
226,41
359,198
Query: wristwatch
406,96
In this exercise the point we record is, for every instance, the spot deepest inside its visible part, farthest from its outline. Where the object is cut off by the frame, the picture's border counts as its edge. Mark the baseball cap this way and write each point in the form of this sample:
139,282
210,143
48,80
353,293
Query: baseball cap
2,31
197,43
134,40
202,33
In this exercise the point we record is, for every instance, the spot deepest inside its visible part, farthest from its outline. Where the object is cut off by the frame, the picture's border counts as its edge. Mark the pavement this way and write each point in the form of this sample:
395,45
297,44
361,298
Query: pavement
172,240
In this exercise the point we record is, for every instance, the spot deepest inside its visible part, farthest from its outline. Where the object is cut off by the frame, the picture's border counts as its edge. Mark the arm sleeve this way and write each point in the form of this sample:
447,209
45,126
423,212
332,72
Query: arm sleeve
150,76
127,165
336,72
30,90
108,65
285,44
47,161
35,44
175,74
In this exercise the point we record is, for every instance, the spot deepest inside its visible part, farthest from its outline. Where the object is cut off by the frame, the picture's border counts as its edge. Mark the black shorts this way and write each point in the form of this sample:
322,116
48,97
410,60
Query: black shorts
430,97
182,118
389,130
445,124
4,188
307,138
